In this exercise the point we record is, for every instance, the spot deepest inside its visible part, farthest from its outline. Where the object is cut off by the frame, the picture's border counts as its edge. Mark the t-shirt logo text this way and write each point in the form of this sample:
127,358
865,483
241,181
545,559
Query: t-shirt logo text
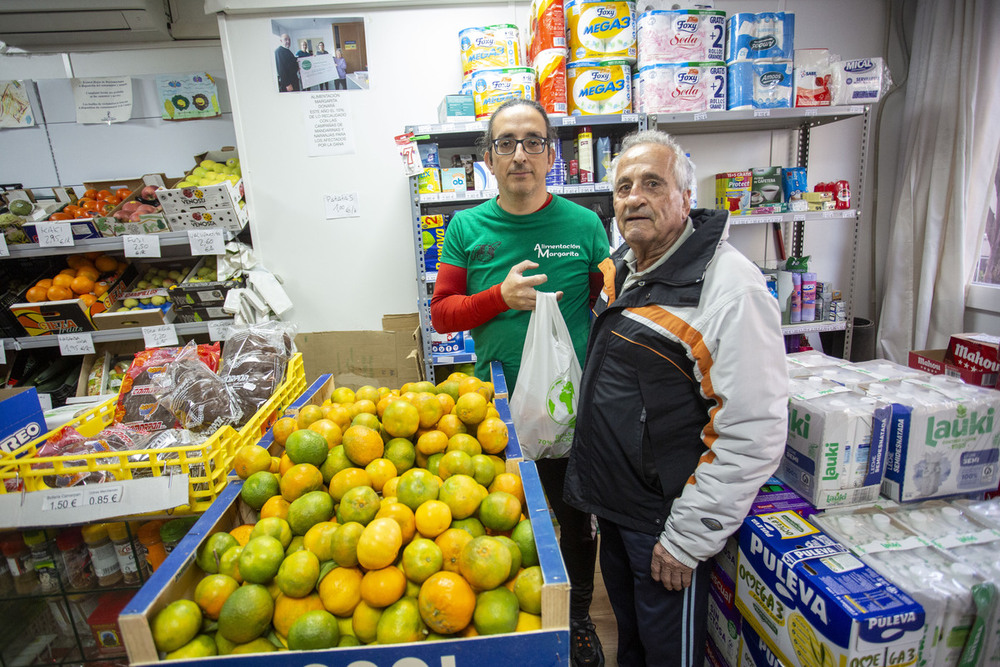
557,250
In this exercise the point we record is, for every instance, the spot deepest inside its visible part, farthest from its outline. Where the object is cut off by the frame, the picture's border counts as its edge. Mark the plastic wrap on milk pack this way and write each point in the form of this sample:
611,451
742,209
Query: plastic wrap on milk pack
759,85
681,35
859,81
757,36
490,47
600,30
599,87
546,27
665,88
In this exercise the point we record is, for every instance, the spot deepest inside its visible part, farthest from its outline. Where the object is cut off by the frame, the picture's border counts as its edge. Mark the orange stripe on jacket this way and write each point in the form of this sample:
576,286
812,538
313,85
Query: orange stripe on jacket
691,337
607,267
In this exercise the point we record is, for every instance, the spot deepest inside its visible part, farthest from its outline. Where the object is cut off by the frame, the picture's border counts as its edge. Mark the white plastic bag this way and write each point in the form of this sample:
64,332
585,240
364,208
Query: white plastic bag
543,406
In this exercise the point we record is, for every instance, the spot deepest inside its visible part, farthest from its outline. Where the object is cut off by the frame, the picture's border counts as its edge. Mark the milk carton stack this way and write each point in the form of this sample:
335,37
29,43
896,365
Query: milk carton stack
602,49
759,51
492,70
680,59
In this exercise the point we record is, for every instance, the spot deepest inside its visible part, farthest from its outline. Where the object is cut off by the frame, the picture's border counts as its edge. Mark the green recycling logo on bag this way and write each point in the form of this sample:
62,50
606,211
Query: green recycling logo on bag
559,401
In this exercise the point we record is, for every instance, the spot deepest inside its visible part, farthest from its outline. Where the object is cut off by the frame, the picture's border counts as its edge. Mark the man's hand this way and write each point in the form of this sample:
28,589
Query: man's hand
518,290
674,575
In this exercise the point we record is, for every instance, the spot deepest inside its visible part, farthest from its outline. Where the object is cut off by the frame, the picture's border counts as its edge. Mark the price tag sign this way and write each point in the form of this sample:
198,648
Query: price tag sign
219,329
447,196
630,118
857,108
54,234
77,343
164,335
430,197
4,252
448,127
207,241
812,112
799,217
62,500
141,245
100,495
830,214
569,120
761,113
702,115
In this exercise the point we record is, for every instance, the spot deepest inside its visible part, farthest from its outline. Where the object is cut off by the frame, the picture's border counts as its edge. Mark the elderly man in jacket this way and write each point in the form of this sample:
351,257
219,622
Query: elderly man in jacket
682,409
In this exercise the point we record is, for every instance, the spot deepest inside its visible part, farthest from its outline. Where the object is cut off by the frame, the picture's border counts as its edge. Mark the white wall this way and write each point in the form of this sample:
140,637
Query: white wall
345,274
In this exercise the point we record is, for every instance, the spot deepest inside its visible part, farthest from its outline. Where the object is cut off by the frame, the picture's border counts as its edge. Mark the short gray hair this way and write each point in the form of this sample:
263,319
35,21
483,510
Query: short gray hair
683,168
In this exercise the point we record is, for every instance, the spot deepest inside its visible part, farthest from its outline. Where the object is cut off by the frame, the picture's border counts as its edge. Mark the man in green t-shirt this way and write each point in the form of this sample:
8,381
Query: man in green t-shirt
494,257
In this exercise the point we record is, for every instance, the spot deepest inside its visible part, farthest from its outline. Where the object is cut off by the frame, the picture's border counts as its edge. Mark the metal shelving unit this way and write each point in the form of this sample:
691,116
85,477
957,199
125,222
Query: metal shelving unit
132,333
104,244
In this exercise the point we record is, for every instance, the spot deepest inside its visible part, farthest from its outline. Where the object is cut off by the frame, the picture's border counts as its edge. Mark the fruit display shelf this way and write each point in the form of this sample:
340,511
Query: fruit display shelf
132,333
104,244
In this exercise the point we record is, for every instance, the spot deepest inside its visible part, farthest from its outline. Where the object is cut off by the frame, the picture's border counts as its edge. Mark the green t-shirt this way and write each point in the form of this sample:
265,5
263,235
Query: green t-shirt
566,240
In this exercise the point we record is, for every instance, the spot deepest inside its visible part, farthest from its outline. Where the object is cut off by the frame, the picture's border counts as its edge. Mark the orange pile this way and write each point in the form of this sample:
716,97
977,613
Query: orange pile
93,202
87,277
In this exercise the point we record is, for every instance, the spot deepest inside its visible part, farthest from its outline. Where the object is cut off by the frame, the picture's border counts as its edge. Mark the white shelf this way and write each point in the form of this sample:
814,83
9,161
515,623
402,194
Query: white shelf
133,333
104,244
793,216
813,327
749,120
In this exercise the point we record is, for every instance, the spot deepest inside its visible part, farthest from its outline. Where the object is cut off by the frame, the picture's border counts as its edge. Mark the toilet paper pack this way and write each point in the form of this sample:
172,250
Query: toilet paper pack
759,85
680,35
941,437
759,36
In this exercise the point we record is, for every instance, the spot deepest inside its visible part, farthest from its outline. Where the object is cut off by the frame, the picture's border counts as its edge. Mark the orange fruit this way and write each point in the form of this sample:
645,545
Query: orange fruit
339,415
402,453
299,480
402,515
451,542
106,264
515,558
380,471
314,630
511,483
283,428
59,293
308,510
471,408
461,494
88,272
64,279
421,559
37,293
100,287
212,592
307,415
258,488
429,409
432,518
242,535
284,463
383,402
483,469
450,425
484,562
455,462
496,612
88,299
362,445
367,393
401,419
276,506
175,625
379,543
347,479
288,609
329,429
359,504
81,284
344,543
275,527
382,587
389,488
367,419
432,442
298,574
260,559
229,564
251,459
446,401
524,537
492,435
336,460
446,603
415,486
340,590
319,539
465,443
528,589
307,446
342,395
364,406
500,511
400,623
364,622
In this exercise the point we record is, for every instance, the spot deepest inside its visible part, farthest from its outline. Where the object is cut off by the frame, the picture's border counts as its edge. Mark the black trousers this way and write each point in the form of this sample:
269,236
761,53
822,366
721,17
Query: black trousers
656,627
576,539
340,84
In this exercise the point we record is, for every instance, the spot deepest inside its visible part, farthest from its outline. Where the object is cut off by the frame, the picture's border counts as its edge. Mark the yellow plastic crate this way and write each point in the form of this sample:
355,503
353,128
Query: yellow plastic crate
206,464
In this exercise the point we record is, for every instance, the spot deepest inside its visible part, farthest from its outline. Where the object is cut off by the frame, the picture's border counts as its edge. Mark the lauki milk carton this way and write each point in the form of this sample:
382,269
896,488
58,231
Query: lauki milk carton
941,437
816,604
831,458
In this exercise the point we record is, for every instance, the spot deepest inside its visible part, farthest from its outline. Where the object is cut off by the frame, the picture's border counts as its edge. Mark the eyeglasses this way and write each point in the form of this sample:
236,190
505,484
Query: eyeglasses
531,145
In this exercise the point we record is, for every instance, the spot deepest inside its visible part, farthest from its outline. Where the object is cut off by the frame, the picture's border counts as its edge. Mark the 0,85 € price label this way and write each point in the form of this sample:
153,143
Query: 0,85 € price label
141,245
78,343
62,500
164,335
206,241
54,234
100,495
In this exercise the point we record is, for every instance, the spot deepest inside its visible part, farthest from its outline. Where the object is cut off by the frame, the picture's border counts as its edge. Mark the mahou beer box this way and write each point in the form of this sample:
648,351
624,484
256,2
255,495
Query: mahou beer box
815,603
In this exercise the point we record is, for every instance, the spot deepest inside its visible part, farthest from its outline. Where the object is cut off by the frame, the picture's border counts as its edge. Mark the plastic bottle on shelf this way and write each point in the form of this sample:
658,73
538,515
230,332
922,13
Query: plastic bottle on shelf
102,554
128,556
18,557
42,560
75,559
152,544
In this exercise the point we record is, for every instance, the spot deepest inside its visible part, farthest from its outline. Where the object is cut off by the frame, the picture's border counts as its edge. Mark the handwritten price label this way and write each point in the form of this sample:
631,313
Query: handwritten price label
101,495
54,234
343,205
141,245
219,330
4,252
164,335
207,241
62,500
761,113
78,343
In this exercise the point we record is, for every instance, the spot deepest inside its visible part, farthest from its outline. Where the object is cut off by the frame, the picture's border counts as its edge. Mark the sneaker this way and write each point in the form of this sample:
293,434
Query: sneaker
585,646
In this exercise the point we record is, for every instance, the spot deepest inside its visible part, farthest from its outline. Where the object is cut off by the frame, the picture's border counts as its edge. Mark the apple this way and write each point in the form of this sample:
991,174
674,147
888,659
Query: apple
145,208
130,206
149,192
158,300
121,216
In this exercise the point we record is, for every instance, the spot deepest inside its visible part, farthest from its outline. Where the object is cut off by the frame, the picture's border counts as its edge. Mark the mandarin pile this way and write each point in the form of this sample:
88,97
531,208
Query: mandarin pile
86,277
385,516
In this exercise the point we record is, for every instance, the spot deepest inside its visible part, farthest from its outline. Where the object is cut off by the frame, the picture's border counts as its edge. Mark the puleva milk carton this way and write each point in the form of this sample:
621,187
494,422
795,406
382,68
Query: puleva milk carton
942,438
814,603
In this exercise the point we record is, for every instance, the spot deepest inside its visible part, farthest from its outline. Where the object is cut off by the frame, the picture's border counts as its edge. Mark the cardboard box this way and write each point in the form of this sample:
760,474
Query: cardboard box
355,358
815,603
456,109
776,496
724,618
81,229
754,651
977,352
453,179
71,315
732,190
202,294
200,206
933,361
429,181
765,187
103,623
21,418
105,355
151,223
